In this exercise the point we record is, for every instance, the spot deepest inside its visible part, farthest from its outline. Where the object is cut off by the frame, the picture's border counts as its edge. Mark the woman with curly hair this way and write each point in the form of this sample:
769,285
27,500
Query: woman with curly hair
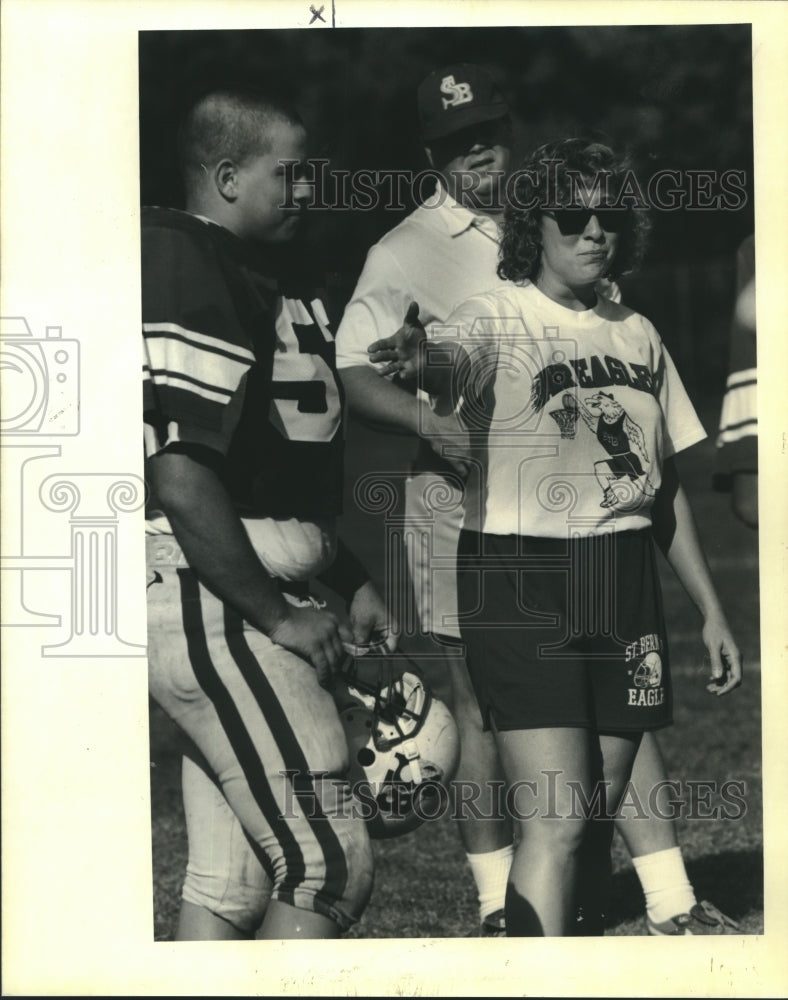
575,411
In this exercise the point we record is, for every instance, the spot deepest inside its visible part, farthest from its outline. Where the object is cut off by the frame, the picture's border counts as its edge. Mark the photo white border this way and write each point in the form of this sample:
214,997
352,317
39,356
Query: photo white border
77,910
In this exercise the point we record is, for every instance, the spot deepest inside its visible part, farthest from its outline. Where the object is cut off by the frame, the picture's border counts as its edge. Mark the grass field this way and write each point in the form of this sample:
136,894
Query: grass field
423,886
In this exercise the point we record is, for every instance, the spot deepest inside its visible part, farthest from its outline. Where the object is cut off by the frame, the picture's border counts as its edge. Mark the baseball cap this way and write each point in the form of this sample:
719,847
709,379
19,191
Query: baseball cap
456,96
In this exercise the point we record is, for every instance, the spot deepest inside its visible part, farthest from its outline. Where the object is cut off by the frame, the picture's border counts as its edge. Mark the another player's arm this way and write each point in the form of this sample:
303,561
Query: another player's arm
217,548
676,534
744,482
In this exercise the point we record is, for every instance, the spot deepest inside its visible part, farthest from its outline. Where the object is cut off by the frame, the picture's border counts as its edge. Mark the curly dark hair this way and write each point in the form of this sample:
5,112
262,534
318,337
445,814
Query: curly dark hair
548,178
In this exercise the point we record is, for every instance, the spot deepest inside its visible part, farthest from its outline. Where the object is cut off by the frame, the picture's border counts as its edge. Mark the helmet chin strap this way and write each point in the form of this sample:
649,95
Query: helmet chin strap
411,752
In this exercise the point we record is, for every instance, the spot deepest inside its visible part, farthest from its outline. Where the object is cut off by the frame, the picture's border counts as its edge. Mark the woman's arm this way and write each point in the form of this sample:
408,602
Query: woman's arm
676,535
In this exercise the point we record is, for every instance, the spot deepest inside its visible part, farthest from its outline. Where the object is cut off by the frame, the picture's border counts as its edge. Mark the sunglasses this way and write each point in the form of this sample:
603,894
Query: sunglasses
573,221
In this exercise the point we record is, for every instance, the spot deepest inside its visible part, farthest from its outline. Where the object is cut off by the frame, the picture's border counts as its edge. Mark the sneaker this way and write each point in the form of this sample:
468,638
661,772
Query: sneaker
703,918
493,925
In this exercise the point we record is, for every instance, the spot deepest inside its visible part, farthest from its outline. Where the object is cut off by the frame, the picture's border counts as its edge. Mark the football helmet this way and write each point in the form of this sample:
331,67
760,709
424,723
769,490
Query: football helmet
403,743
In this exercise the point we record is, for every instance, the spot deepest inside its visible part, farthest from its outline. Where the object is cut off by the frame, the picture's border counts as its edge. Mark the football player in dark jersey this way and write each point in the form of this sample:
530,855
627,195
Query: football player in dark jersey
242,420
737,435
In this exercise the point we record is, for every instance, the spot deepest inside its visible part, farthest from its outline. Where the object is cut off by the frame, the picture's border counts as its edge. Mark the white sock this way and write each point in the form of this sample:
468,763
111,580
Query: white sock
491,872
666,887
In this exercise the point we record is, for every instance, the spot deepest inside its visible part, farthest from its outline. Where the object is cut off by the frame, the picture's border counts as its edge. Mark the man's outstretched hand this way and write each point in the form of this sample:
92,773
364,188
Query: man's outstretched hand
401,352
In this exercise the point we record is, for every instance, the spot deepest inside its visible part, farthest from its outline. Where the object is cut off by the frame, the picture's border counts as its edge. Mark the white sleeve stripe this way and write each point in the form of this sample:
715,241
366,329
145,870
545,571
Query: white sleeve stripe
747,375
199,340
176,381
748,428
738,406
172,358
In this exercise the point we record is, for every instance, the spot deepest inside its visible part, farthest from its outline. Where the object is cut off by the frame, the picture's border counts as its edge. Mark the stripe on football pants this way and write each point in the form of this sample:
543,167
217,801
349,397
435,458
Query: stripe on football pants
236,732
197,758
333,853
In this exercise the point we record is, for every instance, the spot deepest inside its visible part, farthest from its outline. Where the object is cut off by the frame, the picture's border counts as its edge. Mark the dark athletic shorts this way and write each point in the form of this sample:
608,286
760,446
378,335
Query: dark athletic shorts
565,632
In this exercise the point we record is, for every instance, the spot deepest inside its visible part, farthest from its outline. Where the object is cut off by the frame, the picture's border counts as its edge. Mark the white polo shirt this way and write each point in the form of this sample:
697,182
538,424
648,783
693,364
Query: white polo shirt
438,256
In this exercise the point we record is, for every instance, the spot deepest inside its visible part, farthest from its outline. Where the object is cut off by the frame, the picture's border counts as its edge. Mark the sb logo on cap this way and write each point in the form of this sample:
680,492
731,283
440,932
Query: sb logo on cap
459,93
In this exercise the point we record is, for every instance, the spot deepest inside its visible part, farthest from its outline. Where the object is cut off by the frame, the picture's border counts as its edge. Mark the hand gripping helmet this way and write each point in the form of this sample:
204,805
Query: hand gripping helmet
403,743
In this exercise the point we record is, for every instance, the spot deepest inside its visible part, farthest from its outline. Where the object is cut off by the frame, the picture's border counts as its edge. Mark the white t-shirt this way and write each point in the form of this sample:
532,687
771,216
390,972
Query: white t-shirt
572,414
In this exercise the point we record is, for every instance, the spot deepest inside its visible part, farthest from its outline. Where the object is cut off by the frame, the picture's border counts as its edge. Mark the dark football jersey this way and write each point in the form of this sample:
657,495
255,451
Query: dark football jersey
240,361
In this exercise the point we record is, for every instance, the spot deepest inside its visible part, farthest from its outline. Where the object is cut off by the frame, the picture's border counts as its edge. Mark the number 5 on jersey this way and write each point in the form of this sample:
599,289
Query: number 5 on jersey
305,405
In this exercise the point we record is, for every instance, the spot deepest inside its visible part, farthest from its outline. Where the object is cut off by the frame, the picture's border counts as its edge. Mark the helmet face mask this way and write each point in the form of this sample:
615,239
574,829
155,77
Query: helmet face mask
403,746
400,709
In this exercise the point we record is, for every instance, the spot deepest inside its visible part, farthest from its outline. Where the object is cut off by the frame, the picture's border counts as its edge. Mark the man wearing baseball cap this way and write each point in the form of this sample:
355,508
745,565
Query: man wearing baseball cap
441,254
457,96
466,129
